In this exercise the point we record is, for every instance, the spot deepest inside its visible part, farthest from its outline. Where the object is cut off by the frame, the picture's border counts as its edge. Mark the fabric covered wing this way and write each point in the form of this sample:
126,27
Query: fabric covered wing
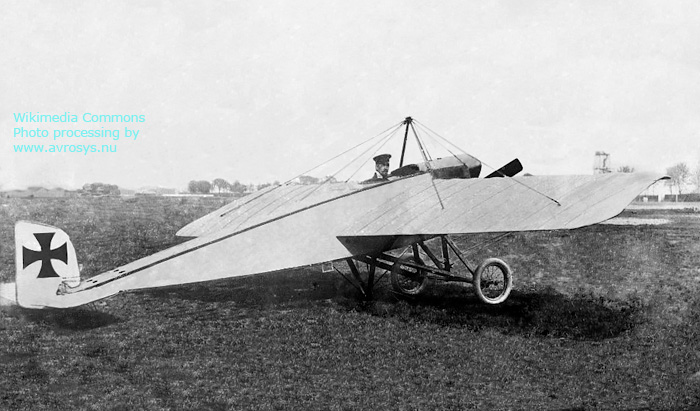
501,205
266,205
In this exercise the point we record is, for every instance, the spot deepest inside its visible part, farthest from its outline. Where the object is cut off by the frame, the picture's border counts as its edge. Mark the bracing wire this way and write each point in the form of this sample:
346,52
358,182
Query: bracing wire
424,152
392,129
383,138
426,156
381,142
482,162
424,129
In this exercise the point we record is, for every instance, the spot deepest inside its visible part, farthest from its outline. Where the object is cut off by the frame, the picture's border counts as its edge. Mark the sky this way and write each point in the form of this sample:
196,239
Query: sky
258,91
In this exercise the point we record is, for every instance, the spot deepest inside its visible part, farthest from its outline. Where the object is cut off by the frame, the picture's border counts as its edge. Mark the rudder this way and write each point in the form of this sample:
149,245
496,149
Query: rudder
45,264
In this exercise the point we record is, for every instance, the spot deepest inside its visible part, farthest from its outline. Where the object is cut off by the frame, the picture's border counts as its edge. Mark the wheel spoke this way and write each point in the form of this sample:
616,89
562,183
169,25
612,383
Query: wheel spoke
406,279
493,281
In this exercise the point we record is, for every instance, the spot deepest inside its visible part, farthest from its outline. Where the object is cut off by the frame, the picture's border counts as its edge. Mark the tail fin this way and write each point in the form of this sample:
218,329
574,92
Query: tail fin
45,263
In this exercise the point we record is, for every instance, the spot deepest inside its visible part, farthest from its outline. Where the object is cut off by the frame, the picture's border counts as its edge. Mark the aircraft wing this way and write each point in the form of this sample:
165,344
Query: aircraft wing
468,205
267,205
323,226
463,206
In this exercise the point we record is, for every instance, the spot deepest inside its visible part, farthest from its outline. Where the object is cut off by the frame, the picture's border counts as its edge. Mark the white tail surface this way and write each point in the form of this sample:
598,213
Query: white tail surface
45,262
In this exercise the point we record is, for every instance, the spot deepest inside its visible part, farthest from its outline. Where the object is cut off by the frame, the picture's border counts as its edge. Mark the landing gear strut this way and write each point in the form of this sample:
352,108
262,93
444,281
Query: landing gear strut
411,274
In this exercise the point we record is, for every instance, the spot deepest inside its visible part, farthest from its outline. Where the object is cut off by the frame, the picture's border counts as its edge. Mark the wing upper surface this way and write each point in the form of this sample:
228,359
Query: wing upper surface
500,205
266,205
440,206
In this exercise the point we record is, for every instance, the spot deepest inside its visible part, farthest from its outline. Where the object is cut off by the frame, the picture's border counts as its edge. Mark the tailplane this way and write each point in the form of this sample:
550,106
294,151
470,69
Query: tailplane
45,262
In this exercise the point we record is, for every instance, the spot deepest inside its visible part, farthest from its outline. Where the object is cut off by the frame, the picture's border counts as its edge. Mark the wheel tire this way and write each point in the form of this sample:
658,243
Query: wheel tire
493,281
403,284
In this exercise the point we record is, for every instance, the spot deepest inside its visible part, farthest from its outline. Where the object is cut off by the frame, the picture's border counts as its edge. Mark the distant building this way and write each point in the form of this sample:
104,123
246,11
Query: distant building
601,165
661,191
155,191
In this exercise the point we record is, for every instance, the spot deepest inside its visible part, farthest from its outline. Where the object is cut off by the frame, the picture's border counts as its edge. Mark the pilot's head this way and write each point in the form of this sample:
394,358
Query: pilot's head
382,165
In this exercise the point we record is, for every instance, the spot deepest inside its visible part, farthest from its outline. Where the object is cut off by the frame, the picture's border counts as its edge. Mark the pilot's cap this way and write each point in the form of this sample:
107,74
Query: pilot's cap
382,159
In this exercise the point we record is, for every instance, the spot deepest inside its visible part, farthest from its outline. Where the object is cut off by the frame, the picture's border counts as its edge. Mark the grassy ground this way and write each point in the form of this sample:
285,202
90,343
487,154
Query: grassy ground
605,317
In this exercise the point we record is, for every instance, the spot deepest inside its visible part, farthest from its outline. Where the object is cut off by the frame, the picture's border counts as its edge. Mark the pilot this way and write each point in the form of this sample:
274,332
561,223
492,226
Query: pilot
381,165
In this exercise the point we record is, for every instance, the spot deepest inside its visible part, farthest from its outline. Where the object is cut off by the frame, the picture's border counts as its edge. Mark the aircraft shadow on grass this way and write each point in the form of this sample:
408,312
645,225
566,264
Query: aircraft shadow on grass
74,319
289,286
543,312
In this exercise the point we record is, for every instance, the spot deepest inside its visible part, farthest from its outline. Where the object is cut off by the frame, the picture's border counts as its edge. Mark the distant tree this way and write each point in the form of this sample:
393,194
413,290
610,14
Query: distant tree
308,180
262,186
237,187
679,176
100,189
695,178
220,184
199,187
330,179
625,169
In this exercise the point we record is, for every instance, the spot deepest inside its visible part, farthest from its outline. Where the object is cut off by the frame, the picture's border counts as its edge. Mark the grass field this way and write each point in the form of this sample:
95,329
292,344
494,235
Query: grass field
605,317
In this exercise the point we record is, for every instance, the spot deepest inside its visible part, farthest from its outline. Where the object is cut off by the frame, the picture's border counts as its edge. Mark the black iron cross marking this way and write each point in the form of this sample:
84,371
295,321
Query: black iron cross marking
45,255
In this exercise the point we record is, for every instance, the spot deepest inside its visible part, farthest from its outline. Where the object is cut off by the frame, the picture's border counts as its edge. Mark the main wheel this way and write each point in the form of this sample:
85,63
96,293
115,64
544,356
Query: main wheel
493,281
408,280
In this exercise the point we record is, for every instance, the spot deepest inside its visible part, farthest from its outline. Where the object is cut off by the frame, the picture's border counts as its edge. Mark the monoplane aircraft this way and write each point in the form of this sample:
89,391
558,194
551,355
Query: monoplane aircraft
384,224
